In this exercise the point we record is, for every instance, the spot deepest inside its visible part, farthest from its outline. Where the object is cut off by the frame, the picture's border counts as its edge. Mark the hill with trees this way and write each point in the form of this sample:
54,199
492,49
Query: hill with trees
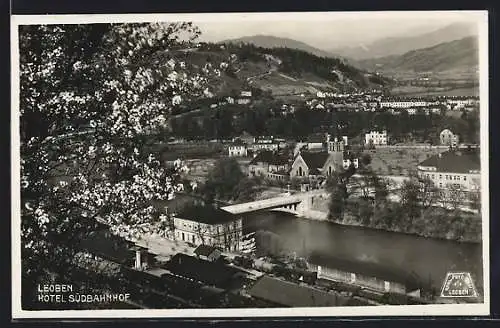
269,41
271,69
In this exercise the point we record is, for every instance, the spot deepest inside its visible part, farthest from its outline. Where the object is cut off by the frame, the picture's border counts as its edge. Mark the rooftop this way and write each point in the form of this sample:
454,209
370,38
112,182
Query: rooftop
108,246
454,161
314,160
293,295
211,273
205,214
238,142
204,250
316,138
363,268
269,157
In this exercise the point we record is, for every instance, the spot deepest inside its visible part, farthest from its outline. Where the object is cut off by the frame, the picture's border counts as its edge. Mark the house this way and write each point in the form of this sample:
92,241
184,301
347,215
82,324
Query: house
412,111
207,225
237,149
246,94
269,164
288,294
436,110
316,164
208,253
458,168
320,94
376,138
460,103
265,143
245,98
243,101
246,138
448,138
316,141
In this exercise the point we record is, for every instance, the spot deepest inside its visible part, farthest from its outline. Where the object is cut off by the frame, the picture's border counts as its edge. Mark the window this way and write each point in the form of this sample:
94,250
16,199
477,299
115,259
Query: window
440,176
183,236
465,178
192,238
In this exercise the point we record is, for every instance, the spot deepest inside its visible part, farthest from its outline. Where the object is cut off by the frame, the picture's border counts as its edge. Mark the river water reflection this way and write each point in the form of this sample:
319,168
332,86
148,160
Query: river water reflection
428,259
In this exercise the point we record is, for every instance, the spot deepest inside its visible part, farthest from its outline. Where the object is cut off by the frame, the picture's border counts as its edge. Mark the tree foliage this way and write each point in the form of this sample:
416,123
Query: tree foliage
227,182
267,118
91,100
338,197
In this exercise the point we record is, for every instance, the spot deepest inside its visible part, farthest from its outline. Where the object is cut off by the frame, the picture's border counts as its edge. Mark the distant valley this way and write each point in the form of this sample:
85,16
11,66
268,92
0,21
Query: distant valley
455,56
400,45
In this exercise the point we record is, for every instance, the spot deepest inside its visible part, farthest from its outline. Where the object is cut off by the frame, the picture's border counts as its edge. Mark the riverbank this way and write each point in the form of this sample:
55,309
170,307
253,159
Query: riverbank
452,235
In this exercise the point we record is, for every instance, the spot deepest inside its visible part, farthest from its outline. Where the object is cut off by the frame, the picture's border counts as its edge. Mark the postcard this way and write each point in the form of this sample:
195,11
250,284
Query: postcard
250,165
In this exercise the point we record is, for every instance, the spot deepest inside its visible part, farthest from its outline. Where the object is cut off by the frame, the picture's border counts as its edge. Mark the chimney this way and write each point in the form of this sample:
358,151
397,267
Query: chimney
138,259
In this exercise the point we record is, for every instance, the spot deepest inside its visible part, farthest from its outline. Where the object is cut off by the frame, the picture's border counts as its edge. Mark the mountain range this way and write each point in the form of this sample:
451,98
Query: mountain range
461,55
403,44
453,47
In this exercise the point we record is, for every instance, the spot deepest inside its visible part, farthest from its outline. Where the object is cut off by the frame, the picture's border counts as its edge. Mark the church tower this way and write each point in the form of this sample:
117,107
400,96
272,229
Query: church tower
335,145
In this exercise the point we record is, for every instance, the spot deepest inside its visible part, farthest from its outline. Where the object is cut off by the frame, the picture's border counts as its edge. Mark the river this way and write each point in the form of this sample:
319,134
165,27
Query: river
428,259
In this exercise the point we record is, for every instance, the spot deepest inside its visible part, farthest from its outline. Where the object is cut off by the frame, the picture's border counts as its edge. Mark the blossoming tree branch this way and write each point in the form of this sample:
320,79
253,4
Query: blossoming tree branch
94,100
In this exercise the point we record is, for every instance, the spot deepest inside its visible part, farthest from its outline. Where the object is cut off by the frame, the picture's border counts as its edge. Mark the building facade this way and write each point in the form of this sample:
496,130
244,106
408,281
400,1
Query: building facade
459,169
376,138
448,138
207,226
237,150
403,104
269,164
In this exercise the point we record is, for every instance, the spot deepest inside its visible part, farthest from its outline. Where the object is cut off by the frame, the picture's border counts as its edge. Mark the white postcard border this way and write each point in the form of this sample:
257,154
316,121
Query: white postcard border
396,310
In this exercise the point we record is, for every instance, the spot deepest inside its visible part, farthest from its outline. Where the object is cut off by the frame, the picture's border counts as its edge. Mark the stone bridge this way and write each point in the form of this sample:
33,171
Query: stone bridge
298,203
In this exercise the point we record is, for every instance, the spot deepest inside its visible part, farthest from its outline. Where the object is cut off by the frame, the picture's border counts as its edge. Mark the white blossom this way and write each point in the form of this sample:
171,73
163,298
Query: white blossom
176,100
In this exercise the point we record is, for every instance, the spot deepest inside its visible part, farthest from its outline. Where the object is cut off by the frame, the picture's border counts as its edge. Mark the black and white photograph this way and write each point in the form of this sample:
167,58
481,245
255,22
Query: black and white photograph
250,164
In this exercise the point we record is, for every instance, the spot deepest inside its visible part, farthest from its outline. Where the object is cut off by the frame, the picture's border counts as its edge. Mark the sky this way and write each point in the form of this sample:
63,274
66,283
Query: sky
329,30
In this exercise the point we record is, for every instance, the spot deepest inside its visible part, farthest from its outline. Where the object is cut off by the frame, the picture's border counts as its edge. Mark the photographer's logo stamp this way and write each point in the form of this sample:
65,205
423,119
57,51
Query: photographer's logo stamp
458,284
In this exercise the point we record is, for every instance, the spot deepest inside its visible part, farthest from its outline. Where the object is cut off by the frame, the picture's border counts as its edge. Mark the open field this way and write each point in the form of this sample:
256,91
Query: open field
390,161
279,84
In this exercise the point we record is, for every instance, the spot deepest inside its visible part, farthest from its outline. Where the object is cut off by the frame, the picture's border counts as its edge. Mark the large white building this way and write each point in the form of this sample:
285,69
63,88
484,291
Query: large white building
403,104
237,149
461,103
206,225
453,169
376,138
